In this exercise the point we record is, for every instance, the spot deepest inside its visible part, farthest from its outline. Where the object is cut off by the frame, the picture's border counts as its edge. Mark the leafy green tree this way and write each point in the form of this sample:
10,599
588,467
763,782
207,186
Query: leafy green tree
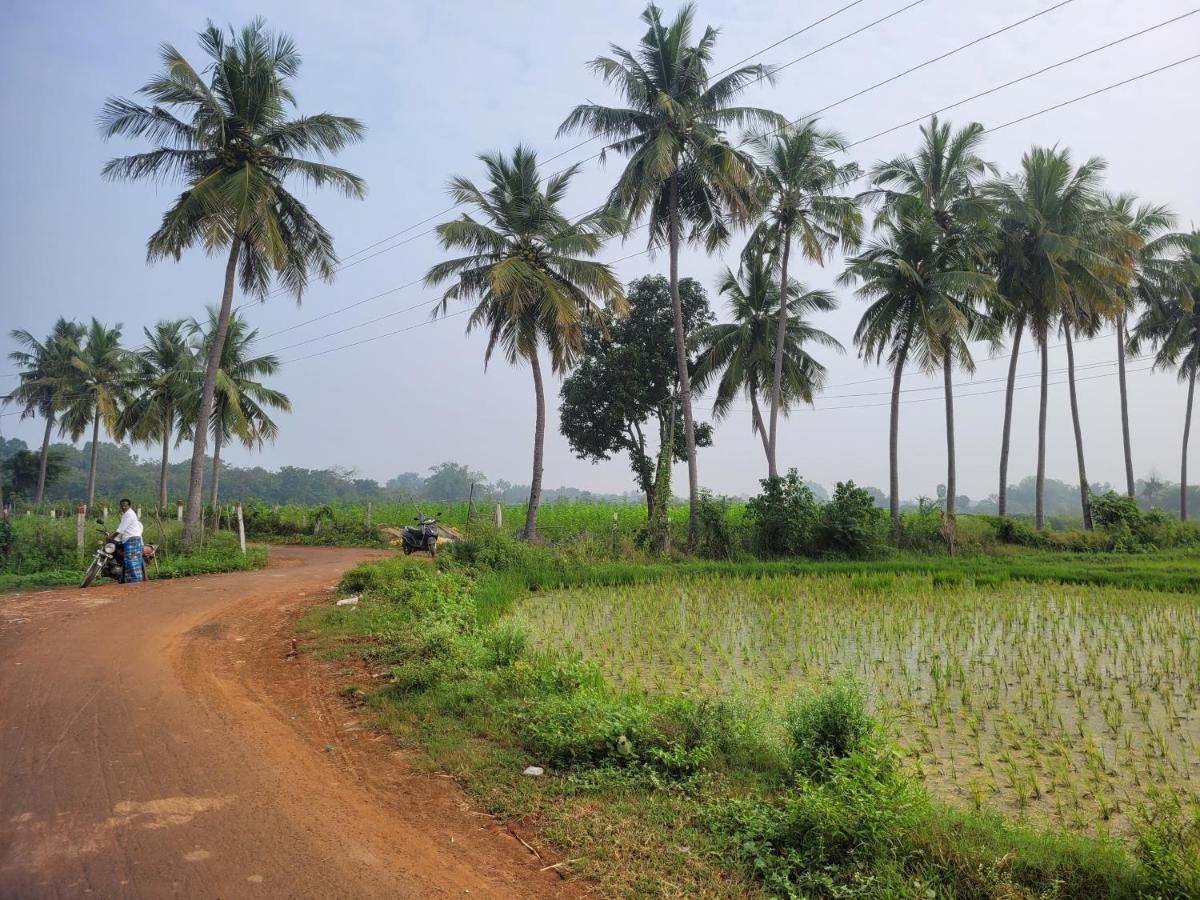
164,372
740,355
96,391
529,273
46,374
801,204
450,481
23,473
241,402
627,377
1171,325
225,131
1050,256
682,173
922,286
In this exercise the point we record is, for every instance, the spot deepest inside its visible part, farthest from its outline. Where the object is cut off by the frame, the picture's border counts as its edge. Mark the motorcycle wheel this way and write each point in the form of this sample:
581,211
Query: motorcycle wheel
407,550
433,549
90,575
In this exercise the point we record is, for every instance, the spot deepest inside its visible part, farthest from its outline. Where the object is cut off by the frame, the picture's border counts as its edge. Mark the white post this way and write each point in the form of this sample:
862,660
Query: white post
106,514
179,510
499,515
139,513
80,517
368,515
54,514
241,528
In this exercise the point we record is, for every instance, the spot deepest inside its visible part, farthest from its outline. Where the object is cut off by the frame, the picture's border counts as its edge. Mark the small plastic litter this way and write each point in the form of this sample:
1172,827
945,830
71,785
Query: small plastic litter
348,601
534,770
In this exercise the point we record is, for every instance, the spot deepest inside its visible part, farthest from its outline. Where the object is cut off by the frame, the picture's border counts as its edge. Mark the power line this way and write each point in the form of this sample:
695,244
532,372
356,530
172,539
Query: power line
847,99
584,143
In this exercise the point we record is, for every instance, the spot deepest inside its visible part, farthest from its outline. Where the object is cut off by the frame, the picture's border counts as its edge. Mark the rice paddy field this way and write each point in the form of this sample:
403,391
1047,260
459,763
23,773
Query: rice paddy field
1063,705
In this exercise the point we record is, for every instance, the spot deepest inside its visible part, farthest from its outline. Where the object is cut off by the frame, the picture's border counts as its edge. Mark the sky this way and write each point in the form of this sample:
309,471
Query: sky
437,84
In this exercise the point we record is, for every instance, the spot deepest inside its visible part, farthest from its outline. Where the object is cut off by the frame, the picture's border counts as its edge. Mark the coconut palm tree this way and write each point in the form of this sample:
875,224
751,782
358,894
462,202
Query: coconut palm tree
528,273
1171,325
682,174
47,373
924,290
740,354
96,390
1150,263
241,404
164,370
801,204
225,131
1051,257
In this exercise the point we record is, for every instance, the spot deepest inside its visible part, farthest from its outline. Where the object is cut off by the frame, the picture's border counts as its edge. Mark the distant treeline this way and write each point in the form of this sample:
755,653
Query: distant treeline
121,473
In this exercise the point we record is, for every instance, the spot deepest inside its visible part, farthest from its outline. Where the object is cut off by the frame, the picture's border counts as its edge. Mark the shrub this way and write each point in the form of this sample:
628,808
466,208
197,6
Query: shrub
850,524
716,538
921,529
827,726
585,728
783,517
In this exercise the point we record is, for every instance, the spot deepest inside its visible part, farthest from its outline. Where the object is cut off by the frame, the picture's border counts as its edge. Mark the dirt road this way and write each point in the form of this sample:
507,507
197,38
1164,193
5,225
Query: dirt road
157,741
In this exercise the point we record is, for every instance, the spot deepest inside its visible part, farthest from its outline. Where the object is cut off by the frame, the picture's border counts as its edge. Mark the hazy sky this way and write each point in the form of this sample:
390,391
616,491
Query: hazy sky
438,83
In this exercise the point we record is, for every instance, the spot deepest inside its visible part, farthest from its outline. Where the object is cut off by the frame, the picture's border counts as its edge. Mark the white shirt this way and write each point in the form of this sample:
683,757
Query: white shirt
130,527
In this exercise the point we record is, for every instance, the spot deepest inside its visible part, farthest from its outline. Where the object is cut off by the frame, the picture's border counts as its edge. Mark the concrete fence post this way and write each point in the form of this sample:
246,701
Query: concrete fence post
499,514
241,527
80,519
179,510
106,514
54,514
368,522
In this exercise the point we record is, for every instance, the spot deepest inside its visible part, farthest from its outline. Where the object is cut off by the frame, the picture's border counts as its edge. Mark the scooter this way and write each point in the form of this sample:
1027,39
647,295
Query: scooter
109,560
423,537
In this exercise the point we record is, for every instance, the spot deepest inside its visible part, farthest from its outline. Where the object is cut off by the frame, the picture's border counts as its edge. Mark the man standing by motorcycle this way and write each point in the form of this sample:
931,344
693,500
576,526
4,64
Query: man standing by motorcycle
129,535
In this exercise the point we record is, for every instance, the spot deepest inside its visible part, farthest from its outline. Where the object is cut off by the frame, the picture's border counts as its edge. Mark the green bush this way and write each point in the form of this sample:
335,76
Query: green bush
921,529
783,517
850,525
716,538
827,726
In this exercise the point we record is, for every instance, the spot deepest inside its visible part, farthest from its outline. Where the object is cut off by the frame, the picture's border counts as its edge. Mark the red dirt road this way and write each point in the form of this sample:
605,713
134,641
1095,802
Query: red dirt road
156,741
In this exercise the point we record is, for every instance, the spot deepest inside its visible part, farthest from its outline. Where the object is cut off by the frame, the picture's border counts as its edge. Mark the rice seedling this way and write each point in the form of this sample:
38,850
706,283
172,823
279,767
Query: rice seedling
1005,695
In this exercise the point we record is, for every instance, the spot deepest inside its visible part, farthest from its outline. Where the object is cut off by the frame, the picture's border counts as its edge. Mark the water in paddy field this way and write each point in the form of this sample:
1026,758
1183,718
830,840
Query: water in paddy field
1063,704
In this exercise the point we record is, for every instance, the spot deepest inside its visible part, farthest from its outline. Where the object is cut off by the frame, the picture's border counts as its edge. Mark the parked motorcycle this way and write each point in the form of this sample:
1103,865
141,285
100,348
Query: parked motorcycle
109,560
423,537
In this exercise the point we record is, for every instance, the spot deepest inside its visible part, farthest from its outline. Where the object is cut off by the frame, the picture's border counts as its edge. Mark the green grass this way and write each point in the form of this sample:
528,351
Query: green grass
657,793
42,552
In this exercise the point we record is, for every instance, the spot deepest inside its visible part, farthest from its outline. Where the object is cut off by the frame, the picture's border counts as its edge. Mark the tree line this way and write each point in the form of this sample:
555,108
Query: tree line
957,253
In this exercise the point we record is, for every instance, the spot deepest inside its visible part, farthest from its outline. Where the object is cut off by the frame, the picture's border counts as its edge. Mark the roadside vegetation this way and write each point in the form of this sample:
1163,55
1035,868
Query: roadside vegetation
37,551
732,731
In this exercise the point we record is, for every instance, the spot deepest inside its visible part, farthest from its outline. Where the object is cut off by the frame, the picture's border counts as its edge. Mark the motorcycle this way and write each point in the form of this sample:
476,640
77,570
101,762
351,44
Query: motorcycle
423,537
109,560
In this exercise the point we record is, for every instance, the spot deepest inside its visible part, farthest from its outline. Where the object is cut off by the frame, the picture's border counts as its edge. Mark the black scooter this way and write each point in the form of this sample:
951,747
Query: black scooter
424,537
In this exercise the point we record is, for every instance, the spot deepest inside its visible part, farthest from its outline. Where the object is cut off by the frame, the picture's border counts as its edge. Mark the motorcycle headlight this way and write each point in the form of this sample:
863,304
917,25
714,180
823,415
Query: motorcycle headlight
110,547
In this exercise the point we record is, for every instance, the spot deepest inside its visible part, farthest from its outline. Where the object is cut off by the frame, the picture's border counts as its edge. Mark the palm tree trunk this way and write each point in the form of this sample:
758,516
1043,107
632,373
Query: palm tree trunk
894,439
681,362
758,426
1130,486
1006,435
162,473
45,460
1039,506
780,337
91,482
215,493
1187,429
659,526
1084,491
951,472
539,439
191,519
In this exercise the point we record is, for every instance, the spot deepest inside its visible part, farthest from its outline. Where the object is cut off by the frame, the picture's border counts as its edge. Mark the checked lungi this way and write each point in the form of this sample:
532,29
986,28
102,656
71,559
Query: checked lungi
134,566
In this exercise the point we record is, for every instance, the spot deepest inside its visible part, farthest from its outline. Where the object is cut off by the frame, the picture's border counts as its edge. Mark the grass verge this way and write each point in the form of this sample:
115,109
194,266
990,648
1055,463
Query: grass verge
679,796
